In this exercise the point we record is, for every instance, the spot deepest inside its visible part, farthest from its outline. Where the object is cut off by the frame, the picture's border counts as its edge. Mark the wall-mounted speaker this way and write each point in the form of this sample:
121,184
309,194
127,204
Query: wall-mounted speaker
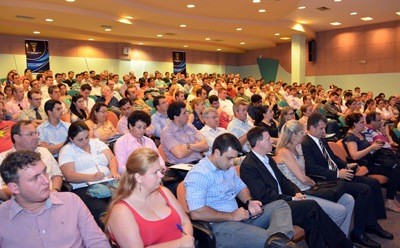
312,51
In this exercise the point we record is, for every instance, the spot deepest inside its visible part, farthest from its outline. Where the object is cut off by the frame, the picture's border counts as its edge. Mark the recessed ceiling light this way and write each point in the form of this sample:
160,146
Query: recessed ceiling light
398,13
242,43
261,10
190,6
219,49
182,25
239,29
70,1
256,1
140,43
159,35
49,20
107,29
125,21
367,18
36,32
302,7
353,13
128,17
277,34
337,0
285,38
207,38
91,39
335,23
185,46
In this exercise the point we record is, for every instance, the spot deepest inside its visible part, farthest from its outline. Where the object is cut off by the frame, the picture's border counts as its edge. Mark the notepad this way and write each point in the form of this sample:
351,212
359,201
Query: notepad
185,167
104,180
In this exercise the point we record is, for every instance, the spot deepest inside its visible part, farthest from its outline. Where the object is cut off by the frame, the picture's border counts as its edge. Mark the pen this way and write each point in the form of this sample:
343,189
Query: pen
180,228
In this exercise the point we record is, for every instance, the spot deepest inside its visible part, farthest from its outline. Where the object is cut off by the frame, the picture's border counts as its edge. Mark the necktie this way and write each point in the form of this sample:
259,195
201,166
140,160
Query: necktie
38,116
269,168
331,164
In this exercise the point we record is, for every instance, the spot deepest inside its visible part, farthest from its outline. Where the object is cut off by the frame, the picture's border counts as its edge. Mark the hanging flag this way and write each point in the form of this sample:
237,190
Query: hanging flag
179,60
37,55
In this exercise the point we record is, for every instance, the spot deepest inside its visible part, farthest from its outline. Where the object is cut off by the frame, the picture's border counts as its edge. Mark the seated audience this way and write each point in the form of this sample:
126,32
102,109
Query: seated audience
306,111
211,130
36,210
77,110
224,118
267,184
195,118
85,91
25,137
290,160
361,151
212,186
53,131
180,140
321,161
240,124
265,119
160,118
137,123
84,160
64,97
5,130
34,113
143,213
98,124
17,103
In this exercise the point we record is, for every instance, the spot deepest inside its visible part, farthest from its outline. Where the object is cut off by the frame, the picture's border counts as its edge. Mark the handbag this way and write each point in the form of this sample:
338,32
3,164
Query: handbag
386,158
329,190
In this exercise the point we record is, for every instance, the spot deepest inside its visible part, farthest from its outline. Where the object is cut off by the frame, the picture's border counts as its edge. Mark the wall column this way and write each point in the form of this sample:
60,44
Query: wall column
298,58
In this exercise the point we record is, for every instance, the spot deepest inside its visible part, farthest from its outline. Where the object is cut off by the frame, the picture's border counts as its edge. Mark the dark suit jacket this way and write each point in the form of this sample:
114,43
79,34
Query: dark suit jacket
261,183
316,164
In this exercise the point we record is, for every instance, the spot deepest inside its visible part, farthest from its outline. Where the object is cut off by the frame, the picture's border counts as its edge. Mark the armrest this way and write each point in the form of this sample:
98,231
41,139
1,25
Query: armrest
203,234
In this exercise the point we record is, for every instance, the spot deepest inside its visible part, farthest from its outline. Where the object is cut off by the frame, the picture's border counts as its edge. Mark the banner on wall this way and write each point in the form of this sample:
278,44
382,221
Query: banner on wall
37,55
179,60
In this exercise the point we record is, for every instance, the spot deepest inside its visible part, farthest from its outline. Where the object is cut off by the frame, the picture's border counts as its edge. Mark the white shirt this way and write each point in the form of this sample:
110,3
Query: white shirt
211,134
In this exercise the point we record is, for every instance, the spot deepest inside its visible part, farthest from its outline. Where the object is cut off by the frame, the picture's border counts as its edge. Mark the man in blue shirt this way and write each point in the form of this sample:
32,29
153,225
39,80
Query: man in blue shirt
212,187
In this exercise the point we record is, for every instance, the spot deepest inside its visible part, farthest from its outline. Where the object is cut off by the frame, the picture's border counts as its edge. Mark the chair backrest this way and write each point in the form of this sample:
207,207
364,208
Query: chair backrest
113,118
181,196
338,149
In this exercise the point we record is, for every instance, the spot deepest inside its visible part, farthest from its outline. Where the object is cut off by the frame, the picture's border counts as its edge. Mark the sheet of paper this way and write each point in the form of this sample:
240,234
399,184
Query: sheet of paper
186,167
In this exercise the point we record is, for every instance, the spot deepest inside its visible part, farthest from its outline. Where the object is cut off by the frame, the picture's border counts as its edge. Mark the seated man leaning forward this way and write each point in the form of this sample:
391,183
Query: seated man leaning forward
180,140
36,217
212,186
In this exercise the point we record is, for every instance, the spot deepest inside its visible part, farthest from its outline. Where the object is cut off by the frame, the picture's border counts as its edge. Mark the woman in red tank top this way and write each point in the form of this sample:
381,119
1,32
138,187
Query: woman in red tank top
143,213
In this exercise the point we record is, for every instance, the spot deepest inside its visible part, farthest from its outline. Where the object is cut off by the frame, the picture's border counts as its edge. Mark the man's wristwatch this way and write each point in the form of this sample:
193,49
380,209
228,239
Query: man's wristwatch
246,205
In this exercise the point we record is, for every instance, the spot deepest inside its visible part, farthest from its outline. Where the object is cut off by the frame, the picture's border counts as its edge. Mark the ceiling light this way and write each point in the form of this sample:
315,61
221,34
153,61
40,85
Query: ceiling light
190,6
242,43
219,49
302,7
140,43
185,46
277,34
353,13
398,13
91,39
207,38
261,10
285,38
49,20
367,18
128,17
159,35
256,1
239,29
125,21
337,0
335,23
70,1
107,29
36,32
182,25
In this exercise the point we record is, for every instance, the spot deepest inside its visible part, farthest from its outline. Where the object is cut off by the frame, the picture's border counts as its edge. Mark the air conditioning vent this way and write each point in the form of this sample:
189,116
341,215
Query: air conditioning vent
25,17
169,34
